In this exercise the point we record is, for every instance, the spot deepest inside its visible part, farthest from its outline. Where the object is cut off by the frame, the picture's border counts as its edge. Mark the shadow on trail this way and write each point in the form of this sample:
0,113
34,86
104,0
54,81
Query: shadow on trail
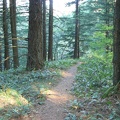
55,106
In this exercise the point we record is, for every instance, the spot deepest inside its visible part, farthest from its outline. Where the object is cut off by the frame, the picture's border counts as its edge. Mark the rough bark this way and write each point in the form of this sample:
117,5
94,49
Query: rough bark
76,47
44,30
35,41
14,32
5,31
50,44
116,45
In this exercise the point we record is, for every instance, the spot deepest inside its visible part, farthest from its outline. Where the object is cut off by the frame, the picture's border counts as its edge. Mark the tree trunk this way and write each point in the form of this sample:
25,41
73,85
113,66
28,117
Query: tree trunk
0,56
44,30
5,30
14,32
50,45
35,41
107,22
76,47
107,17
116,45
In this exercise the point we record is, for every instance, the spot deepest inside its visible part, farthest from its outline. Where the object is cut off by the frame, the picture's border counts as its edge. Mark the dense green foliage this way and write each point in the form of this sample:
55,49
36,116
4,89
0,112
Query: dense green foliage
95,17
94,90
61,64
24,88
93,74
20,89
93,85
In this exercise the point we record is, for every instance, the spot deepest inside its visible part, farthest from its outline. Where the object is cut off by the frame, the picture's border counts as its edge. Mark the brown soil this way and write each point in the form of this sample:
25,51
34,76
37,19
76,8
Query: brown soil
57,99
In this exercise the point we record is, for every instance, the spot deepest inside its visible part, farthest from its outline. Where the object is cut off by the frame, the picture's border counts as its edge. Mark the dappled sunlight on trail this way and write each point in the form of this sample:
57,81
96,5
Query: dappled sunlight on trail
66,74
57,98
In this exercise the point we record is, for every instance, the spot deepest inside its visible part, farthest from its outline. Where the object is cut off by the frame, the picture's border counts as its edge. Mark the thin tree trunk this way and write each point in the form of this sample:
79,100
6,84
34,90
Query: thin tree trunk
76,47
44,30
107,17
50,46
107,24
14,32
0,56
5,30
116,45
35,41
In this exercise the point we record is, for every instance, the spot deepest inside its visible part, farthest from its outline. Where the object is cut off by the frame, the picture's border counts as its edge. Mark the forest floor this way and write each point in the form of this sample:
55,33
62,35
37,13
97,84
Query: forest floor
57,99
60,104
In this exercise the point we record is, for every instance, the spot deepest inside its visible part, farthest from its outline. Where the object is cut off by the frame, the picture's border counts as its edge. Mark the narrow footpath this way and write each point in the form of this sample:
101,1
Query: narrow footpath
57,98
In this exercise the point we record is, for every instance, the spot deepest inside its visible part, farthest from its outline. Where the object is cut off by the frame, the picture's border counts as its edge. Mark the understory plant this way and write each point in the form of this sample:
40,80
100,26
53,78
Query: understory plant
93,79
21,89
95,73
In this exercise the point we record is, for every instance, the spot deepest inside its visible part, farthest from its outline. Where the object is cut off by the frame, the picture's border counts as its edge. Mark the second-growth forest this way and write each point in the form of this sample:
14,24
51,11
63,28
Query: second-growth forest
37,44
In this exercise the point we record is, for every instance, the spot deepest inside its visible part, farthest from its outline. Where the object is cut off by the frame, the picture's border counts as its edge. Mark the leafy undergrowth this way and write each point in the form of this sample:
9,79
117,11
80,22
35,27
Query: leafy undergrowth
20,89
96,98
61,64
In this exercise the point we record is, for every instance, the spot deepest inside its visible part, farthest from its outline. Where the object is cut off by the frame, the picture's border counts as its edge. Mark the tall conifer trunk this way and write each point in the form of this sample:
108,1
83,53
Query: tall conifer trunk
35,41
0,56
76,47
44,29
50,41
116,45
5,30
14,32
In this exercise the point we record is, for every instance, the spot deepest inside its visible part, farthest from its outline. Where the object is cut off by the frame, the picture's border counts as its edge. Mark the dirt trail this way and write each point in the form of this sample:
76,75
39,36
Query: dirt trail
57,98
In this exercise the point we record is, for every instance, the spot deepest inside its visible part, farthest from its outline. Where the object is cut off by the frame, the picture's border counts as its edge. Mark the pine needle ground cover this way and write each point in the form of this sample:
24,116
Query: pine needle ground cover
20,90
